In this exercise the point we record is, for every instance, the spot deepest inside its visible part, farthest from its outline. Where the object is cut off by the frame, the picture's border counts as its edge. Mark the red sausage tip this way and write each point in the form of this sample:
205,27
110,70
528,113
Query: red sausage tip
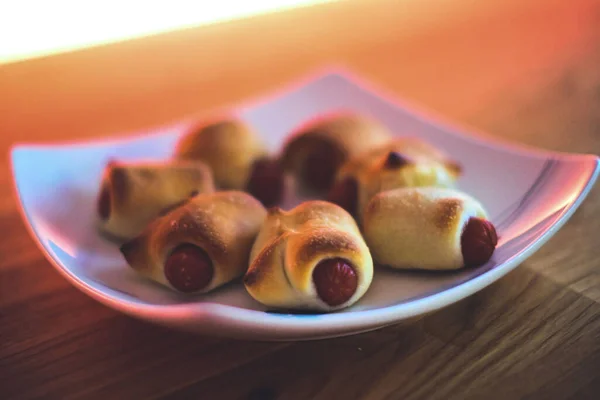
320,168
335,280
478,242
188,268
266,182
345,195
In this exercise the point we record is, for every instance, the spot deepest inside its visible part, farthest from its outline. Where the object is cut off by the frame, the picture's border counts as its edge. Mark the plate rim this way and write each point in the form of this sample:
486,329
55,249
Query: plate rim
312,325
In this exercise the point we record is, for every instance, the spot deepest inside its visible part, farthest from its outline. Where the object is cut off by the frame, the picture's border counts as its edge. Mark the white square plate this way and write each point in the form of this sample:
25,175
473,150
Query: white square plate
529,194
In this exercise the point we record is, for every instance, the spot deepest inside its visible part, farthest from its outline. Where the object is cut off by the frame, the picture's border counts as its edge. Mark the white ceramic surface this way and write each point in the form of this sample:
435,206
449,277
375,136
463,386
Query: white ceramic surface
529,194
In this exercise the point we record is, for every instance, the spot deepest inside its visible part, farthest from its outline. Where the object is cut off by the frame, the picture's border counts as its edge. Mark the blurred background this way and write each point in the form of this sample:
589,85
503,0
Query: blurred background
37,28
96,68
524,70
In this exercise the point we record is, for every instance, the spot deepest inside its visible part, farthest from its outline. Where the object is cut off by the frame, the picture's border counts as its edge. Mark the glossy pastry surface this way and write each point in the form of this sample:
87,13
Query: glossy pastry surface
237,157
428,228
311,257
403,162
201,245
134,193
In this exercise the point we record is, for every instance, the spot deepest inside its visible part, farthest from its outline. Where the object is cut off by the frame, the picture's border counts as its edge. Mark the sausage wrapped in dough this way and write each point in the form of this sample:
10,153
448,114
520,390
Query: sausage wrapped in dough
403,162
428,228
238,158
201,245
316,150
312,257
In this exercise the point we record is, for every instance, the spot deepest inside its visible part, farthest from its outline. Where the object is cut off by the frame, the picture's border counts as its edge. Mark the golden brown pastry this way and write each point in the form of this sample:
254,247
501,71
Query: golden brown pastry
403,162
134,193
316,150
200,245
238,158
311,257
428,228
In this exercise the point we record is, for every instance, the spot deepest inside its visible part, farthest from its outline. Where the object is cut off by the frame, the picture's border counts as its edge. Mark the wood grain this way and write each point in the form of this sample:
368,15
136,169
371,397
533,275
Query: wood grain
527,71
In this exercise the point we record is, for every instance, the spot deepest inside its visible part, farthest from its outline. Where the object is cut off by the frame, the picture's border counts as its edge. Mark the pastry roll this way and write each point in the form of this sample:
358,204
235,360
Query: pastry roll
199,246
315,151
134,193
428,228
312,257
238,158
403,162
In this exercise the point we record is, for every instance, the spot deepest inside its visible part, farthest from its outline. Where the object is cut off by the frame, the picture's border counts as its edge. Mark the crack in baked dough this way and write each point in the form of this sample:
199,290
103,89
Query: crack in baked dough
283,265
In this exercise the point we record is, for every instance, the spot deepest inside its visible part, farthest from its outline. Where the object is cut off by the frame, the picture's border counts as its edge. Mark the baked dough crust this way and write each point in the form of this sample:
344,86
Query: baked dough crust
223,224
137,192
229,147
289,247
337,137
419,228
403,162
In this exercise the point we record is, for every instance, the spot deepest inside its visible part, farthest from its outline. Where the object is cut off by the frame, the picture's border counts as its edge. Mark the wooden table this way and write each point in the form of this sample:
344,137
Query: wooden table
528,71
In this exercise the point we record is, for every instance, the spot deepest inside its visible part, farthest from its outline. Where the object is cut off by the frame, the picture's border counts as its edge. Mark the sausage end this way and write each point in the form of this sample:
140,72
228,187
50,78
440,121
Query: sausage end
188,268
336,281
478,242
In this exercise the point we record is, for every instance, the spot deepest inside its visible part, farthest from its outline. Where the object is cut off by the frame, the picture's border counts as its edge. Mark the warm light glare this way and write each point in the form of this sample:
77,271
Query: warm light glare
31,28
